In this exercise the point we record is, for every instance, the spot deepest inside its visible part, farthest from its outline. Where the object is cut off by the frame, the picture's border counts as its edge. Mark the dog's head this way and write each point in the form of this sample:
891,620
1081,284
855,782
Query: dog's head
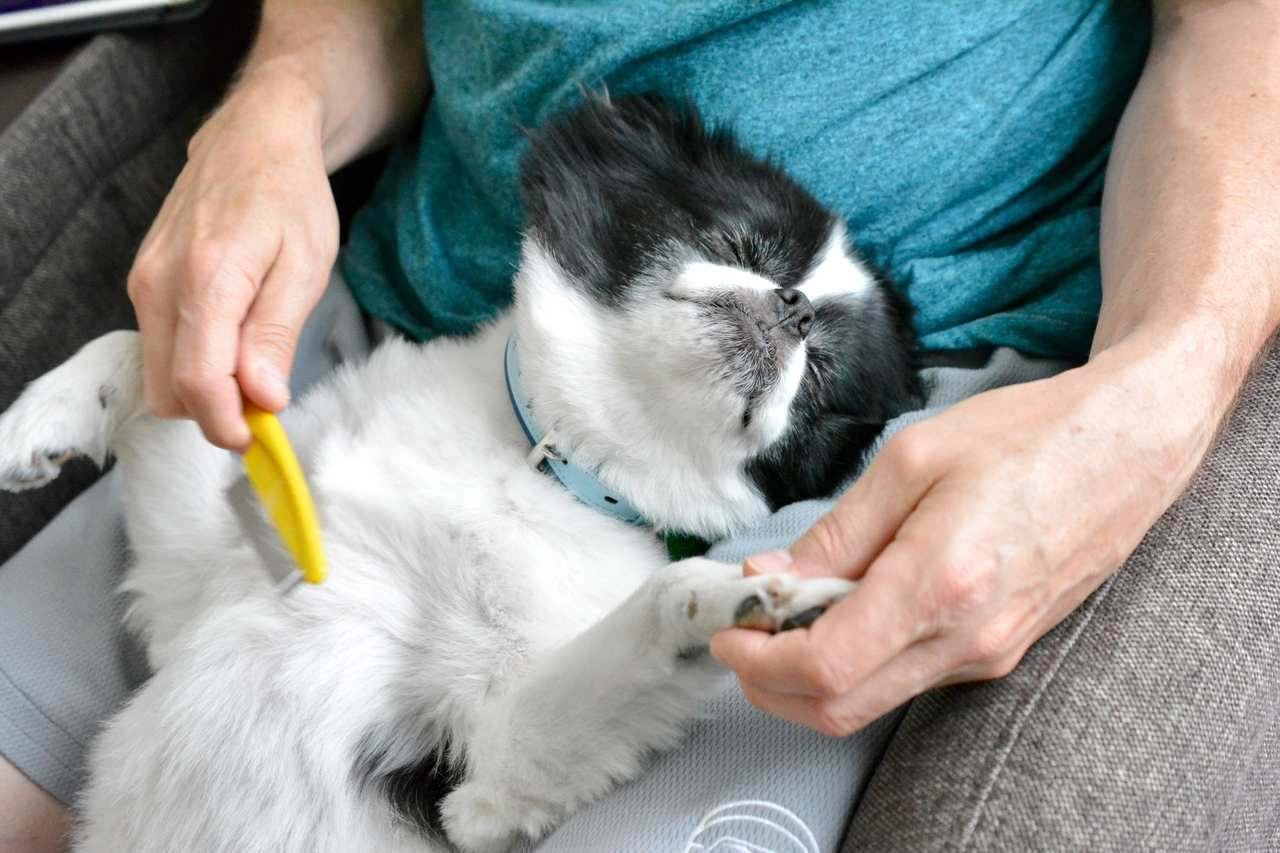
692,323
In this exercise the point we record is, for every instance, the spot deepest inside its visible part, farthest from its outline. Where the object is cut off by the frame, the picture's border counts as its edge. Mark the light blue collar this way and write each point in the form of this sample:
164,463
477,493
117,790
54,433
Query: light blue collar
581,483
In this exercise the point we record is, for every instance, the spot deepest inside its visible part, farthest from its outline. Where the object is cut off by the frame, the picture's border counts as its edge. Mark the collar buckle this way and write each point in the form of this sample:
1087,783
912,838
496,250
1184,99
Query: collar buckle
544,457
543,452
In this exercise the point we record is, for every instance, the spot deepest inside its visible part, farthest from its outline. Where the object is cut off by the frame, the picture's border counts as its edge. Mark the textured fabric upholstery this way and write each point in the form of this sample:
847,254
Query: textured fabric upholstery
1149,720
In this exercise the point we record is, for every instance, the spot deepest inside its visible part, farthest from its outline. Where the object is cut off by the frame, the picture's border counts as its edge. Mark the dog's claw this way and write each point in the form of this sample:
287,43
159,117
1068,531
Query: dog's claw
803,619
751,614
784,603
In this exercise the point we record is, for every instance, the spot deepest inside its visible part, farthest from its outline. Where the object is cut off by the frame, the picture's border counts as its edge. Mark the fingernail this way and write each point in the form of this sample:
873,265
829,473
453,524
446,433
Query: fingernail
770,562
274,381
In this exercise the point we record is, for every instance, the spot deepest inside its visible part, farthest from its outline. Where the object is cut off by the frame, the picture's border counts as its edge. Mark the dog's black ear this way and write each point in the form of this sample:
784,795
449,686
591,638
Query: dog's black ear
582,172
608,188
814,462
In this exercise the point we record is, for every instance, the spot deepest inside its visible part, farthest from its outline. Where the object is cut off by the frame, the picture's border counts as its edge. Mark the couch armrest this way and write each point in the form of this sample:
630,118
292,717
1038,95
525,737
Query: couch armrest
1149,720
84,169
27,70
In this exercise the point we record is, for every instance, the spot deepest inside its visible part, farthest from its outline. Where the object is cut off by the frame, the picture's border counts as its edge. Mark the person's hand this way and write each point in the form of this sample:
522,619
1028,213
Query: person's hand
235,261
974,533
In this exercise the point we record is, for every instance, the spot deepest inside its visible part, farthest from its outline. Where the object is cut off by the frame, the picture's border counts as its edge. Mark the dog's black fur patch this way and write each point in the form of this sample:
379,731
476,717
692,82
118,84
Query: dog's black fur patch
861,373
614,188
610,188
415,790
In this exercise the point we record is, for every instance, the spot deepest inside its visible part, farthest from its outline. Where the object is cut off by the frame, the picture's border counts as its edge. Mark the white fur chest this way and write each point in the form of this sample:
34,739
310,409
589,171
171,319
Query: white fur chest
418,465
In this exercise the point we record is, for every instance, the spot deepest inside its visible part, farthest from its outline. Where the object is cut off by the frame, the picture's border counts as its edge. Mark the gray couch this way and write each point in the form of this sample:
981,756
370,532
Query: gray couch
1149,720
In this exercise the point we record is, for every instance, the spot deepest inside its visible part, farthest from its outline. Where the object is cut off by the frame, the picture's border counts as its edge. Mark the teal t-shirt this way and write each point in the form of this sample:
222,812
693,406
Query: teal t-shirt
964,143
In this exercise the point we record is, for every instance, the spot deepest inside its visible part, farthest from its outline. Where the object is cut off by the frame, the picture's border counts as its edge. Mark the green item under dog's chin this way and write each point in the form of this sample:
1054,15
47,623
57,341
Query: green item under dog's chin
682,546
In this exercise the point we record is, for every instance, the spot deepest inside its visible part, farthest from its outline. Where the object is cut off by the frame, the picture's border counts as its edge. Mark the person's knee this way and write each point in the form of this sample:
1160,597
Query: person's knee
31,821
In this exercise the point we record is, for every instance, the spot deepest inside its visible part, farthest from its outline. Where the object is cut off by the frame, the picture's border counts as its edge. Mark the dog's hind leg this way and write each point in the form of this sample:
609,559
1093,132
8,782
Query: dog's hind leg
250,741
584,719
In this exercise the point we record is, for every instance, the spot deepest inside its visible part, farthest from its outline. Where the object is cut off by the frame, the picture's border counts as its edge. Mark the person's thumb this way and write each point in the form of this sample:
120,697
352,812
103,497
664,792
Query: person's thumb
845,540
830,547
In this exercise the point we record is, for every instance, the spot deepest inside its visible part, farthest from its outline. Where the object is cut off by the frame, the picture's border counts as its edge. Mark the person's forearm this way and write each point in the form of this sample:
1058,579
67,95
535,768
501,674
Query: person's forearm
1191,210
358,66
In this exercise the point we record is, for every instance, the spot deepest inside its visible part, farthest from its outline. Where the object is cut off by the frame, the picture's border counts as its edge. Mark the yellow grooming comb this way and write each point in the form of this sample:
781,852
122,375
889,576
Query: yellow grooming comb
274,472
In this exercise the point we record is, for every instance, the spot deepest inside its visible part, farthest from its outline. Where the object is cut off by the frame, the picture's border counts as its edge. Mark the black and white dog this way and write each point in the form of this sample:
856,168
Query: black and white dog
693,342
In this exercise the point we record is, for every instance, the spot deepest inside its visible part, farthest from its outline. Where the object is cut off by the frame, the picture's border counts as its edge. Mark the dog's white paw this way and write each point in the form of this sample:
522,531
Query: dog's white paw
702,597
48,425
477,821
785,602
38,434
40,469
67,412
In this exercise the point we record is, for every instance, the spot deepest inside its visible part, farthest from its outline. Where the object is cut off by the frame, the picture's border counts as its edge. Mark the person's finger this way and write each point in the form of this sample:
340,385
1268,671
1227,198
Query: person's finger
801,710
153,307
845,540
791,662
916,669
752,654
205,346
1006,650
854,638
269,336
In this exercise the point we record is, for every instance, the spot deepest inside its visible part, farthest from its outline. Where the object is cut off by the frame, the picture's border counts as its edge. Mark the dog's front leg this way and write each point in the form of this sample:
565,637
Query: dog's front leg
584,718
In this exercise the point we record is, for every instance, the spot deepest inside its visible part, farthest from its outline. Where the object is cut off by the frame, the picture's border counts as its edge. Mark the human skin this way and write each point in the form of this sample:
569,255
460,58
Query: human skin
242,248
975,532
31,821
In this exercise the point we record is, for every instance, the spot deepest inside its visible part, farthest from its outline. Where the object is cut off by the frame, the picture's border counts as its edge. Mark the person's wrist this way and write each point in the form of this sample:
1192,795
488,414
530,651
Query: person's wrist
282,108
1169,386
1198,359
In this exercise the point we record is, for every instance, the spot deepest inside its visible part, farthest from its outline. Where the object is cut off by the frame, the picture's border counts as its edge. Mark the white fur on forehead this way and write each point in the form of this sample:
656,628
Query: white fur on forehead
702,277
838,273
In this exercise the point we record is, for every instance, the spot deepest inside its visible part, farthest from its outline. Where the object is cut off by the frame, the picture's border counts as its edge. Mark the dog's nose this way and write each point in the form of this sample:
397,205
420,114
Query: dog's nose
795,312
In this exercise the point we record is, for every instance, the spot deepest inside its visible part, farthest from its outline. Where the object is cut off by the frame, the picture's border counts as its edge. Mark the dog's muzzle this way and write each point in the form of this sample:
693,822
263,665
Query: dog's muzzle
792,312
